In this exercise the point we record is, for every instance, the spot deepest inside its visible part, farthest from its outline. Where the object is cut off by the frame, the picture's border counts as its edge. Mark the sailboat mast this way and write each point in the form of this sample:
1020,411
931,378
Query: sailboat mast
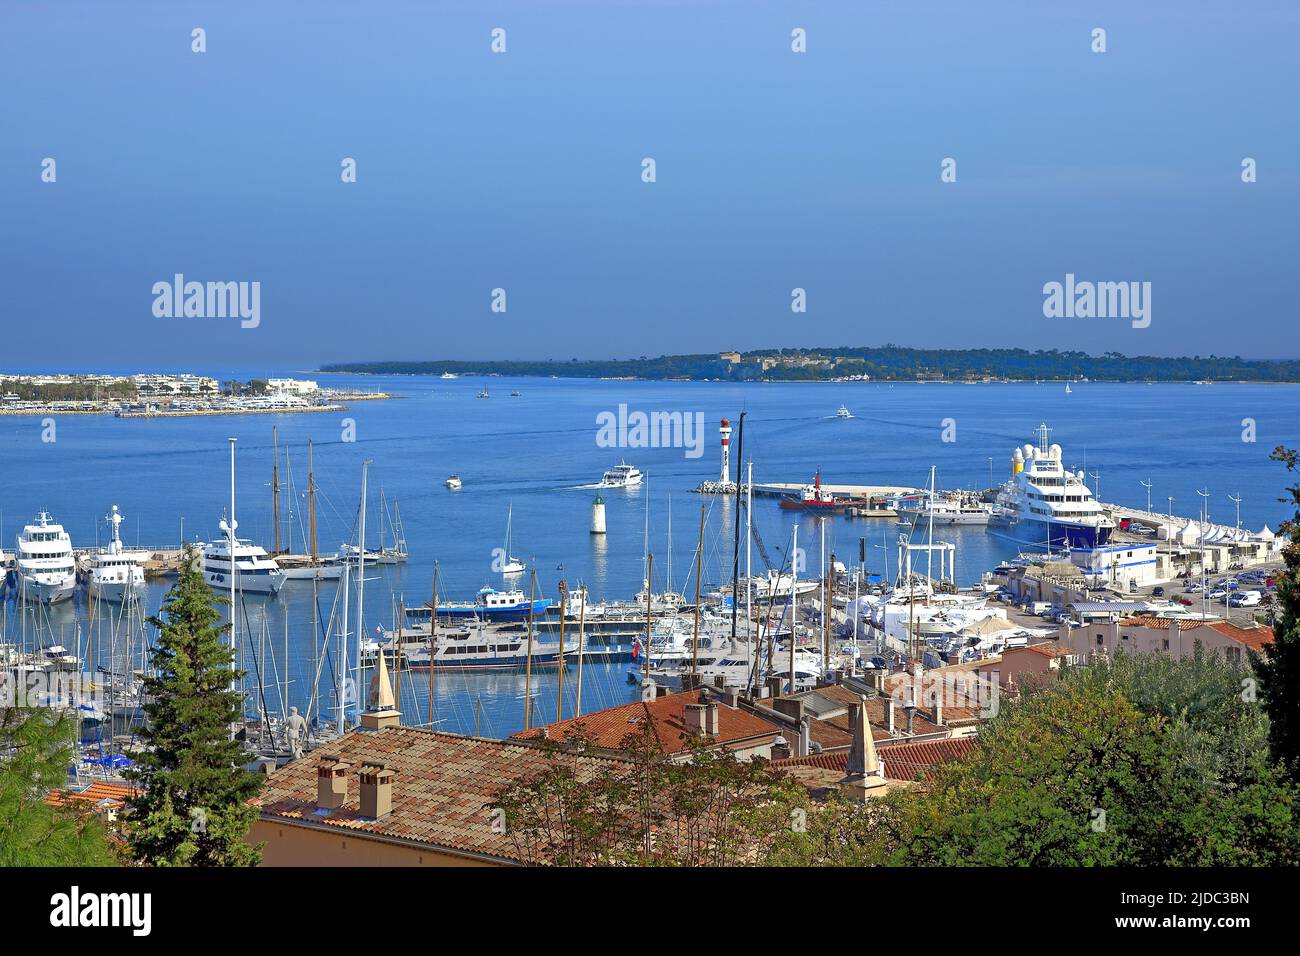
559,684
668,574
230,541
528,664
699,562
649,564
735,551
361,581
275,485
582,633
346,585
794,580
433,640
311,498
749,584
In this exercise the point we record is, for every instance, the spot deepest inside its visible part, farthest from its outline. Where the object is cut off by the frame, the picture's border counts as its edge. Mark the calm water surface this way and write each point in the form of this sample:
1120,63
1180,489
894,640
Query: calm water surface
537,451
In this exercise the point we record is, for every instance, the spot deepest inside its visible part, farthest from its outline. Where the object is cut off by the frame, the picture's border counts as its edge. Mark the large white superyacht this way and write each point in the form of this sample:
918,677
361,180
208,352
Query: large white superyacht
1043,504
43,561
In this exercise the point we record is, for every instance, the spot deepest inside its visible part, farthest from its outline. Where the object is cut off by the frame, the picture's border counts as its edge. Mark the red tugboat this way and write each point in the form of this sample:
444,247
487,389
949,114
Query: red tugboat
814,498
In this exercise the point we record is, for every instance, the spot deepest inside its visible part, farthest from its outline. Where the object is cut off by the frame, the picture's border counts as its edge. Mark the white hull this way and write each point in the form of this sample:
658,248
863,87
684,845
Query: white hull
947,519
114,591
47,592
248,583
327,572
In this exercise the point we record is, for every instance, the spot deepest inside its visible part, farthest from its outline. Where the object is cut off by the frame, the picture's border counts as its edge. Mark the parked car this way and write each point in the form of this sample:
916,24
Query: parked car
1245,599
1184,601
1157,592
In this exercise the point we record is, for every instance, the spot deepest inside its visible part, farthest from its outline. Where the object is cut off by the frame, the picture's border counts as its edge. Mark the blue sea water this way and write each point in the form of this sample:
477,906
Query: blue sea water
537,451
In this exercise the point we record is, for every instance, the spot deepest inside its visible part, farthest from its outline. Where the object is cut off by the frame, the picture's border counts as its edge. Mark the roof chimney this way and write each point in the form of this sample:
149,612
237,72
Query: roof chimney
331,783
780,748
774,685
805,737
889,715
376,790
702,716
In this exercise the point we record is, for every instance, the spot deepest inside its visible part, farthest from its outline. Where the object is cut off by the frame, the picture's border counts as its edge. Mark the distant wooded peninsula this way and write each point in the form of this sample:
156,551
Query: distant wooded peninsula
888,363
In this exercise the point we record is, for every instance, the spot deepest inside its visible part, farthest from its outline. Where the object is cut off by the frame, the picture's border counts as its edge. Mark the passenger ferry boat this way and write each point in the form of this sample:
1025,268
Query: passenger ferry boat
113,573
961,508
843,412
478,649
621,475
1044,505
43,561
256,571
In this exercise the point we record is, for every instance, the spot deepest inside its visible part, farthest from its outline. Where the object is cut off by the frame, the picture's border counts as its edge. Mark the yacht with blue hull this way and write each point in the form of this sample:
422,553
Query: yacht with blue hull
493,605
1045,505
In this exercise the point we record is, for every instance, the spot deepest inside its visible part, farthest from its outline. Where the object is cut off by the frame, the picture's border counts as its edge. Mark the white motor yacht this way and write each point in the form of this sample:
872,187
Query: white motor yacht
114,573
256,572
621,475
43,560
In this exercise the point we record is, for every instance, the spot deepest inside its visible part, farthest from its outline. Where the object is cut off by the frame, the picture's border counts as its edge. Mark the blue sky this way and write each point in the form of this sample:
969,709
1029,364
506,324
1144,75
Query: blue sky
522,171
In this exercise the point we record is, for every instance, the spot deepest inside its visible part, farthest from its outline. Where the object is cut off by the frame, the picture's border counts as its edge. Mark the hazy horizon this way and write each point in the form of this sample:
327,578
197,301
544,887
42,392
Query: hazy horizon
522,170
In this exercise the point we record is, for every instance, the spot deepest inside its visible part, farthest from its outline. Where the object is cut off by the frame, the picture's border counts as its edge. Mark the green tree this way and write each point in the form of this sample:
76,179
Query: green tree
1278,668
36,749
1142,761
193,809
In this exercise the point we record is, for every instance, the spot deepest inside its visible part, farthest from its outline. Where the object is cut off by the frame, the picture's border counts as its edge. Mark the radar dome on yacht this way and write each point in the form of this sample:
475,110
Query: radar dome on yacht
1029,452
1018,456
1055,452
1079,474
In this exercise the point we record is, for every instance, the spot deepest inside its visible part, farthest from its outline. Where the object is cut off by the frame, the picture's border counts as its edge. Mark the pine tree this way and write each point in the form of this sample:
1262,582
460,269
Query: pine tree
1278,668
193,809
36,749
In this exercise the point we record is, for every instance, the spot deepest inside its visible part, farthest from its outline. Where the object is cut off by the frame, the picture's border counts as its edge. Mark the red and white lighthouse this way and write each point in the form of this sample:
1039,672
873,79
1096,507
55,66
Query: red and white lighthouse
725,432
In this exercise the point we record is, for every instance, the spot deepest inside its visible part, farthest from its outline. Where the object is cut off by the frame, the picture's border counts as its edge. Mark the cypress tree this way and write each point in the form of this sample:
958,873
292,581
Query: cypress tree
193,809
1278,668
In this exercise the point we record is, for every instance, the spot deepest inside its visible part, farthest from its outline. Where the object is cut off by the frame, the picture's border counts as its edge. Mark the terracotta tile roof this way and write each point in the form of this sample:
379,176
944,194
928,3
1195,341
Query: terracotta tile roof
836,733
958,684
93,794
442,792
1045,648
1255,638
903,761
608,728
1158,623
